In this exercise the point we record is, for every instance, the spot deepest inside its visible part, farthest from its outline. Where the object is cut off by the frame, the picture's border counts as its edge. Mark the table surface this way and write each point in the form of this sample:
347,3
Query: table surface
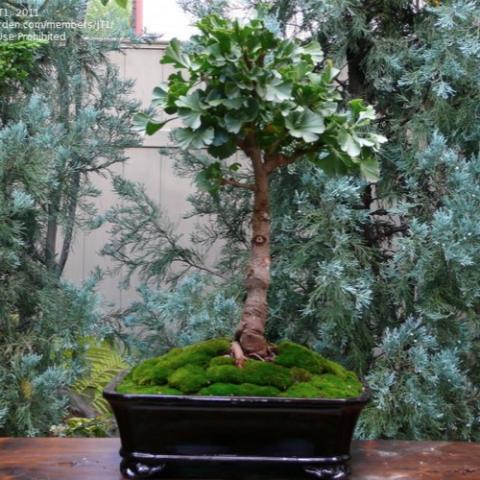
92,459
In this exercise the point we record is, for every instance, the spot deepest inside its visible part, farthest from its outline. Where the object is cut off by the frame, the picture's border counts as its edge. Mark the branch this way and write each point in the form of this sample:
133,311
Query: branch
274,147
201,267
235,183
182,257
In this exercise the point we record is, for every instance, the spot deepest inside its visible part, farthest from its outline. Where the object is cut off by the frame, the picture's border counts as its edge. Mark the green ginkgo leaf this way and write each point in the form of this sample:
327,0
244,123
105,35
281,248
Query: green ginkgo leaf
175,55
223,144
233,122
370,169
190,102
276,90
140,120
154,127
144,123
349,144
367,114
305,124
190,109
188,138
314,50
377,139
209,179
160,95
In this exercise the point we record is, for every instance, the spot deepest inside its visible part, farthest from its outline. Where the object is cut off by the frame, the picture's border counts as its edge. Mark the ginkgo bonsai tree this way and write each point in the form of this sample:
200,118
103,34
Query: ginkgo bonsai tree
241,87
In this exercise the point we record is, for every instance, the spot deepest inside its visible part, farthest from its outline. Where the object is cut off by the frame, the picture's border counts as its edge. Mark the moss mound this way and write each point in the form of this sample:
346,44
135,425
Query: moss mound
254,372
325,386
156,371
205,368
129,386
189,379
242,390
293,355
223,360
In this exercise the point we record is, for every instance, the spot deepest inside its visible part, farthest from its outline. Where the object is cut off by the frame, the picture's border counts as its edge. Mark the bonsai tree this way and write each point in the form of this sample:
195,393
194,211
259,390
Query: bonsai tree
239,86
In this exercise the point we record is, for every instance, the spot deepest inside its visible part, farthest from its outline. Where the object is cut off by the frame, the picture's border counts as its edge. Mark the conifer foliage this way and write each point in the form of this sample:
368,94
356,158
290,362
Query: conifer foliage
65,115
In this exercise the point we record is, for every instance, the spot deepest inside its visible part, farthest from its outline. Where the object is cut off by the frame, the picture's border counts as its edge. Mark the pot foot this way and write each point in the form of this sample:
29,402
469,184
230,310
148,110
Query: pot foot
137,470
328,472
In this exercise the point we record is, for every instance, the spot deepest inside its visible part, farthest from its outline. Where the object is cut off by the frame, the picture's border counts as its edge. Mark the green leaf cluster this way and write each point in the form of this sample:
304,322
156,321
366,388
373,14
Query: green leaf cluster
17,59
236,80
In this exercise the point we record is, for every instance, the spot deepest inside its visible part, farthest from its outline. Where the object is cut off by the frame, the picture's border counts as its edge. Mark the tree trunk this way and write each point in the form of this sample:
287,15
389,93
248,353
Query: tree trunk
70,223
250,331
356,74
51,237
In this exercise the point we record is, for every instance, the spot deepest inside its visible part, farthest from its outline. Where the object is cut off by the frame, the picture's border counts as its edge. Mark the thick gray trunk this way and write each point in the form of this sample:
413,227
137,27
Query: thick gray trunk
250,332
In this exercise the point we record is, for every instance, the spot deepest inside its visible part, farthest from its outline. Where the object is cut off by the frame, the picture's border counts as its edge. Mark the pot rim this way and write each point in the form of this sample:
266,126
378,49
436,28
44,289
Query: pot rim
110,394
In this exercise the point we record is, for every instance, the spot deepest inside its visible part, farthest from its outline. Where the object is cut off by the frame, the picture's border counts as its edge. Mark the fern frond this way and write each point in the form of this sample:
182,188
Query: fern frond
104,363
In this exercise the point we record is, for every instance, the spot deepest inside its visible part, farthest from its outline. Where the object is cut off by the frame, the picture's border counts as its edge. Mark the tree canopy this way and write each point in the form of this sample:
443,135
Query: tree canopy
235,81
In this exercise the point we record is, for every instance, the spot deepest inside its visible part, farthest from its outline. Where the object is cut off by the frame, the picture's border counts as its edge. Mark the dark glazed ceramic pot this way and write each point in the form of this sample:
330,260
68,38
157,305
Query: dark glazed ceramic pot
163,434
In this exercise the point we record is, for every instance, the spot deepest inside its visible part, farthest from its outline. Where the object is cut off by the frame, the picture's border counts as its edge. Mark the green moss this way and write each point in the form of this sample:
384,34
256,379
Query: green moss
197,354
206,369
302,390
188,379
242,390
300,374
254,372
294,355
336,369
332,386
126,387
156,371
223,360
150,373
166,390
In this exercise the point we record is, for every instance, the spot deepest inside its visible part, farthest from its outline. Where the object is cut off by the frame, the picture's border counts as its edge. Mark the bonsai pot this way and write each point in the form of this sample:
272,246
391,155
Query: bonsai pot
162,435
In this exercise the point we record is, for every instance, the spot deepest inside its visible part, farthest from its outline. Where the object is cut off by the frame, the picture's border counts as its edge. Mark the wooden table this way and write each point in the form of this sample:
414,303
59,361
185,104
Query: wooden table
98,459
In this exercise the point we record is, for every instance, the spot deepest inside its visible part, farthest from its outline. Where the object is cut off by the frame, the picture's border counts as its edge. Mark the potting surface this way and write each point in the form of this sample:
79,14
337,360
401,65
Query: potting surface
98,459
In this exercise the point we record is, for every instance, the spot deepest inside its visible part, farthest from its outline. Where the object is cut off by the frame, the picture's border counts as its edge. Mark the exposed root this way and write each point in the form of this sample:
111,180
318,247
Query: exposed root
272,353
270,357
257,356
237,353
